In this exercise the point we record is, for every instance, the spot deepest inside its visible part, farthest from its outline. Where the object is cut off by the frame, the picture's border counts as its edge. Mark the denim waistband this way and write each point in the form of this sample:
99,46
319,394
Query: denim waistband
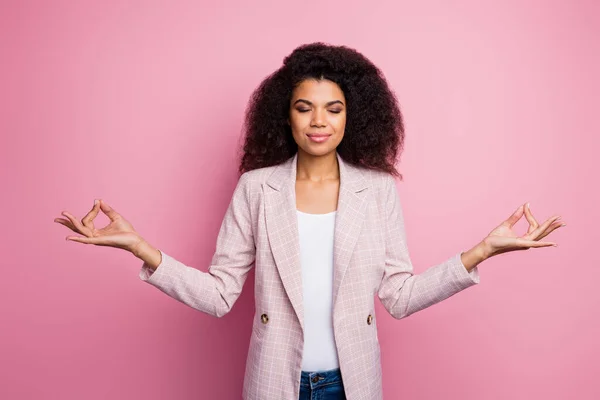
320,378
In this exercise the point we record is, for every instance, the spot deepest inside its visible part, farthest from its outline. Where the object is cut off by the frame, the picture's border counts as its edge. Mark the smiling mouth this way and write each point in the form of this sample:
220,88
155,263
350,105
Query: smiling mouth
318,137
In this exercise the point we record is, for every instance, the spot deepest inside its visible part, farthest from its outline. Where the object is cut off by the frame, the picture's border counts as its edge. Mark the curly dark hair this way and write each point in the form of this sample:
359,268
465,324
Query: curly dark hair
374,131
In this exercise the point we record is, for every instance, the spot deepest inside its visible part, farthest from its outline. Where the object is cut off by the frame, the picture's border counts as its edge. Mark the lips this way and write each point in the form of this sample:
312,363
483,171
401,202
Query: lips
318,137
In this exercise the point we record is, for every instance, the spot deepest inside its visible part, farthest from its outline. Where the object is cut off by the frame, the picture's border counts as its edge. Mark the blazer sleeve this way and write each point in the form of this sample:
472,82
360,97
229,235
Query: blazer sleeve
213,292
401,291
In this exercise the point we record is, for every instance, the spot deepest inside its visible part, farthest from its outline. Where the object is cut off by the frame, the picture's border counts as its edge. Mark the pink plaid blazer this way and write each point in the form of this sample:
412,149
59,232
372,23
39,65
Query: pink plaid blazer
260,230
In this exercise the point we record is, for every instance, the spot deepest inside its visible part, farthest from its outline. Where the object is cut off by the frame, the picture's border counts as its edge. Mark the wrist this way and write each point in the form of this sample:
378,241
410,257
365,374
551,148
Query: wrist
149,255
474,256
139,248
484,250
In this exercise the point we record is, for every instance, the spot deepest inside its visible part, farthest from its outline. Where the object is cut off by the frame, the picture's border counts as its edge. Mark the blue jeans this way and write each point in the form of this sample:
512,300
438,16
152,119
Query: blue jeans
322,385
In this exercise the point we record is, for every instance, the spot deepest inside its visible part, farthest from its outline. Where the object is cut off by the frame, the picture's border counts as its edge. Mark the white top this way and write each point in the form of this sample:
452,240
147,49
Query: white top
316,260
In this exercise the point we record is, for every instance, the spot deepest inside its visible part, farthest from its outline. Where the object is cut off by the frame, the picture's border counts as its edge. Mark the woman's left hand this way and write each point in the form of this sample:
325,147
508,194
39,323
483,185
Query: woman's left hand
504,239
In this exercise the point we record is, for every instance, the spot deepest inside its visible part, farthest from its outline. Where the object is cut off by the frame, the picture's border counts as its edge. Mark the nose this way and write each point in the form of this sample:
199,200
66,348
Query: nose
318,118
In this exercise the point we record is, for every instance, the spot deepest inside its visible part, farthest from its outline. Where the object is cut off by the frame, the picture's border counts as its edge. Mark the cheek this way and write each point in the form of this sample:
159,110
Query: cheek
339,123
297,120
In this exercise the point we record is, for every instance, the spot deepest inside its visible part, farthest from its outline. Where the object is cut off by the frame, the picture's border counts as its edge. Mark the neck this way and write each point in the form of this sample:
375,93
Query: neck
317,168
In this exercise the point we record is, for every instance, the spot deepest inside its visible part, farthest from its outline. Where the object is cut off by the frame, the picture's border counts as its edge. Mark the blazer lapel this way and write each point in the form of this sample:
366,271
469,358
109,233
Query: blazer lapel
282,225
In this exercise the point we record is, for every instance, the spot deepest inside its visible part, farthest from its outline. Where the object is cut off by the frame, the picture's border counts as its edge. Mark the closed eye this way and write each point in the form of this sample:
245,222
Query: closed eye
303,110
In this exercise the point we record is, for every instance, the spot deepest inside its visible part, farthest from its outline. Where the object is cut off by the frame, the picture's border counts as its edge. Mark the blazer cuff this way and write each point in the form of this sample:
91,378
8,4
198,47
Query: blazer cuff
165,268
464,278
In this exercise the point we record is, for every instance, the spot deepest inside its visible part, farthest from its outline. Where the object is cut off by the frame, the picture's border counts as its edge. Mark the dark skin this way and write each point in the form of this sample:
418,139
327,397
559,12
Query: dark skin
317,106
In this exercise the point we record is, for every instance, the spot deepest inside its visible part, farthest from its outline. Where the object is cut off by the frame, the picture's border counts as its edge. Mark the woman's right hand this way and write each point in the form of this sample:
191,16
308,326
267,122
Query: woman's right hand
118,233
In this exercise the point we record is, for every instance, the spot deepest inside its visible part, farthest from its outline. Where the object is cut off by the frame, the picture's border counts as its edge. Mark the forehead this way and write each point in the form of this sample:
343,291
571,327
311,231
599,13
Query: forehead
323,89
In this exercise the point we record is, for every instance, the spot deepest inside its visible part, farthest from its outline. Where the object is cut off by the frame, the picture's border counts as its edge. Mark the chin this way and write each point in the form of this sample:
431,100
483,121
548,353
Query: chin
317,152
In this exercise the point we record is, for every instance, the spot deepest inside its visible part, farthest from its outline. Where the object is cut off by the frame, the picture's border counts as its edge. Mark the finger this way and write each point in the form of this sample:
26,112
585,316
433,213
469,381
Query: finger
533,224
534,235
533,243
79,228
84,239
555,225
66,223
108,210
88,220
516,216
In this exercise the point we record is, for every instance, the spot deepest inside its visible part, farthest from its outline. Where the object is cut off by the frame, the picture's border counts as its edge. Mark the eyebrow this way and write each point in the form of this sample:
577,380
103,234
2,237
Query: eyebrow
310,104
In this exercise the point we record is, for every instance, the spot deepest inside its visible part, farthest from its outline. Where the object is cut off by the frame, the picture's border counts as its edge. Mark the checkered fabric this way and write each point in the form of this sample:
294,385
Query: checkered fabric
260,230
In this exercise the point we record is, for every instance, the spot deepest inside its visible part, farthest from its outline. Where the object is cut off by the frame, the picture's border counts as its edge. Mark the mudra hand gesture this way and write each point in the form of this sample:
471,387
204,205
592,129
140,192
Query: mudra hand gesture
118,233
504,239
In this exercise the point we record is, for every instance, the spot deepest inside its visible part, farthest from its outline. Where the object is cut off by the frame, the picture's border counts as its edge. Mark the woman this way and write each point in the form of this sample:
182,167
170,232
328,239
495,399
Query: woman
317,212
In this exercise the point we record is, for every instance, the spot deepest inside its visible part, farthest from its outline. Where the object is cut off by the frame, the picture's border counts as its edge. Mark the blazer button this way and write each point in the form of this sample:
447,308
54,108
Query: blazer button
369,319
264,318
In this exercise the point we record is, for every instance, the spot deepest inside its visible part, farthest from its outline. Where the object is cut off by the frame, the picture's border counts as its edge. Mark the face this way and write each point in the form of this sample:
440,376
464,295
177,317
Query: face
317,116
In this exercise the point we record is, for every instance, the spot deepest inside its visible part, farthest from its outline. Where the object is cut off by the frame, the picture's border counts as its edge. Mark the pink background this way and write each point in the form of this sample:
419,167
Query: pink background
141,103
